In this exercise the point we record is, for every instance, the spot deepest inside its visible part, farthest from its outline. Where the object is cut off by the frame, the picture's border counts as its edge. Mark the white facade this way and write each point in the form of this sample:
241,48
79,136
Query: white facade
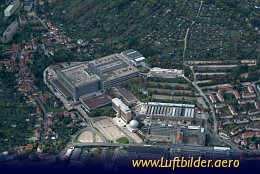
12,8
160,72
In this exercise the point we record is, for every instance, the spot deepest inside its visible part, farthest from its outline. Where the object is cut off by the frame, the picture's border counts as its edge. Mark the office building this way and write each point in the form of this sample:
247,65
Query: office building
122,110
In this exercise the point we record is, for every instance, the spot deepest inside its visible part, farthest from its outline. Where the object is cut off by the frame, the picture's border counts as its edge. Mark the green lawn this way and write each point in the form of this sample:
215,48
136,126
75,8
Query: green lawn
123,140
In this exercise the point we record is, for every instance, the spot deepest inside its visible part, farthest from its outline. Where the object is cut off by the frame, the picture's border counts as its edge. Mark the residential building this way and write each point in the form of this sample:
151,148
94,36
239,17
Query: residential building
28,5
220,96
254,111
236,131
10,32
212,98
232,110
247,134
14,5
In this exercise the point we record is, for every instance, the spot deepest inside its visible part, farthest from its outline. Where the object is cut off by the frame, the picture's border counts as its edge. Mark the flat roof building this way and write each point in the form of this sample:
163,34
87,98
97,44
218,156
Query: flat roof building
122,110
165,73
10,32
28,5
133,56
126,95
168,111
97,75
95,101
201,151
113,69
195,135
14,5
79,81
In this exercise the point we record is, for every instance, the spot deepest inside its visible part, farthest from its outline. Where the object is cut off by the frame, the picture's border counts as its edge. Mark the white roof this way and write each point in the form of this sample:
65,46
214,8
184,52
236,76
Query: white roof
9,7
140,59
221,148
118,102
172,104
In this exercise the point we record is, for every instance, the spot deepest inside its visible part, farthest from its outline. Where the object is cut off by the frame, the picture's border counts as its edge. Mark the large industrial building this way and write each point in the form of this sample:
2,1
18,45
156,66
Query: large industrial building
201,151
10,32
133,56
79,81
195,135
97,75
113,70
12,8
168,111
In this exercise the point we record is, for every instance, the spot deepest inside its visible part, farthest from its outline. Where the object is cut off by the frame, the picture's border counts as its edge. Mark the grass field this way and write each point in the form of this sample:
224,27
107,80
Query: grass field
123,140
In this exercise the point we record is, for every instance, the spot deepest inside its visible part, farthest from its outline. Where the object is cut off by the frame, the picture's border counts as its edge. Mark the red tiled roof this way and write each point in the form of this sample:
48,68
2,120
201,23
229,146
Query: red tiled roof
97,101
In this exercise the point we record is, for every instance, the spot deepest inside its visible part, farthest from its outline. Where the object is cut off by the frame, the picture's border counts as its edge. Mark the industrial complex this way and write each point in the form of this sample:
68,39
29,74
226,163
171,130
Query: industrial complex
97,75
168,110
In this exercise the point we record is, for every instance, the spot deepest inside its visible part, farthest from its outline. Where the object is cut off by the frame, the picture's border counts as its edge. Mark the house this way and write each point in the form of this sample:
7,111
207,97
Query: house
255,118
253,127
257,104
220,96
251,89
252,146
237,140
257,134
254,111
244,142
241,120
212,98
244,101
232,110
247,134
236,131
227,116
237,95
224,134
248,95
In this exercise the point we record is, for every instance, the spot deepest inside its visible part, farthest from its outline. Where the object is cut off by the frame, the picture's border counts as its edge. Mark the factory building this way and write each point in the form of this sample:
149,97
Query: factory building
12,8
10,32
134,57
97,75
195,135
168,111
79,81
201,151
113,70
122,110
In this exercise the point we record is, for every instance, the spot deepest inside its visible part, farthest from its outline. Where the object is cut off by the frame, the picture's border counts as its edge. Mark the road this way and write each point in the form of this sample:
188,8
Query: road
188,30
204,97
